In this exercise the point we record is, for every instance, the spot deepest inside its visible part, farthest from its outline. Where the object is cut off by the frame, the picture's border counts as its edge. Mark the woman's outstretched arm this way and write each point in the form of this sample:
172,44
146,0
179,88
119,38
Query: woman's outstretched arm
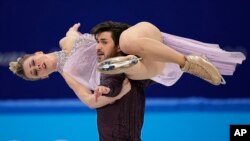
67,42
86,96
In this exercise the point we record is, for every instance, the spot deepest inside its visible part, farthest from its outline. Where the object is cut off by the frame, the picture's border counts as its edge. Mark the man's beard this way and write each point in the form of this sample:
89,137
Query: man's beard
101,56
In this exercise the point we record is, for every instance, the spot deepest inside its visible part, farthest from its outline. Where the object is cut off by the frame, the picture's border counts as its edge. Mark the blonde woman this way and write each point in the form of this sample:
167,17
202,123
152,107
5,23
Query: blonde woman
164,58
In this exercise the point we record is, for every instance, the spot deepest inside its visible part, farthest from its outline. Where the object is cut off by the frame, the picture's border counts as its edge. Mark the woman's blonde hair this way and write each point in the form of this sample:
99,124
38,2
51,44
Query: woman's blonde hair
17,67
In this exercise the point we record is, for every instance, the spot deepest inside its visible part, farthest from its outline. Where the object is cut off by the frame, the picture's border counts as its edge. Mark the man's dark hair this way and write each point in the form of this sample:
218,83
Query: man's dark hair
116,28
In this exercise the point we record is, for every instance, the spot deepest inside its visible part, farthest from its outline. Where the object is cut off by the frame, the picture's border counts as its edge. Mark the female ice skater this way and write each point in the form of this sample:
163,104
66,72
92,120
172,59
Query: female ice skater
164,58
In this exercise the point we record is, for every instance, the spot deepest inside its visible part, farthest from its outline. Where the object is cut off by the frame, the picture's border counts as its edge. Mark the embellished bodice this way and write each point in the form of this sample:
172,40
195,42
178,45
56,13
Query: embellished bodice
61,59
81,62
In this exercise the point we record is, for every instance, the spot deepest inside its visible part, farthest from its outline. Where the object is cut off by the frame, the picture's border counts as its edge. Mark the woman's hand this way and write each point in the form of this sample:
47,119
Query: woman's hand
73,31
126,87
100,90
67,42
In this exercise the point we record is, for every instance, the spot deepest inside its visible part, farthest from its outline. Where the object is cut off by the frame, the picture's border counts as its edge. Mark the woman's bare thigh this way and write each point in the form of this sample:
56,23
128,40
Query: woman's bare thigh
142,30
146,69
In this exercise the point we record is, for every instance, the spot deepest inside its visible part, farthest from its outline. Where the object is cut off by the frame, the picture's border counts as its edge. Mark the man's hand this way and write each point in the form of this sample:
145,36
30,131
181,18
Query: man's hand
126,87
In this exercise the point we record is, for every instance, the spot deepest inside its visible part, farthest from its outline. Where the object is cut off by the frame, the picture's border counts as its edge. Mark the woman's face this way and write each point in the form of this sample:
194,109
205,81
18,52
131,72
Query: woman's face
38,66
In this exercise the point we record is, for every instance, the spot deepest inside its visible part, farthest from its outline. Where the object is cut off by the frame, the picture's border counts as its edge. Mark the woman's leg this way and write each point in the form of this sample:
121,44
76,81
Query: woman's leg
146,68
134,67
146,41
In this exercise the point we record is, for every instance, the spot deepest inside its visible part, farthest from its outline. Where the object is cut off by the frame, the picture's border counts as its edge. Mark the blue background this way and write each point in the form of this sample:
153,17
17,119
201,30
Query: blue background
27,26
189,119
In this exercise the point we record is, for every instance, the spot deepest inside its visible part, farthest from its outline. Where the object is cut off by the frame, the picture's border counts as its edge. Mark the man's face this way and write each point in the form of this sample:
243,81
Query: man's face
105,47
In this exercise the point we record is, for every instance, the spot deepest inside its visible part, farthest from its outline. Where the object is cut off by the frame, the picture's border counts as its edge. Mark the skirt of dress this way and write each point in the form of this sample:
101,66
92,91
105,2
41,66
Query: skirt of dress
224,61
